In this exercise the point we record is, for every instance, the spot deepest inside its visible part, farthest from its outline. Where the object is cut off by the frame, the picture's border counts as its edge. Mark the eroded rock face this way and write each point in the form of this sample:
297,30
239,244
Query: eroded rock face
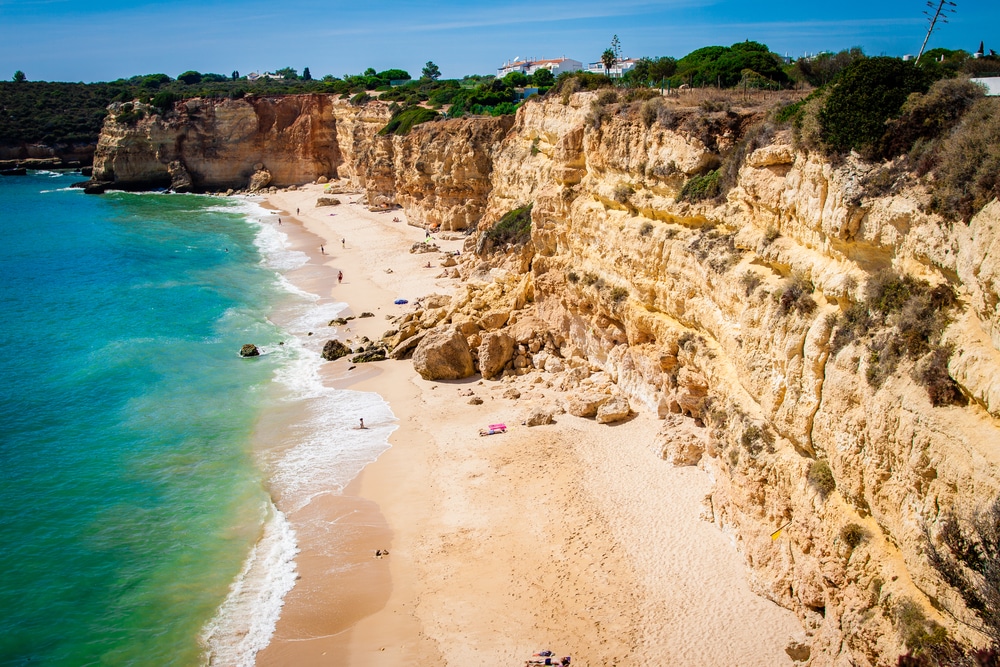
443,354
439,172
495,352
299,137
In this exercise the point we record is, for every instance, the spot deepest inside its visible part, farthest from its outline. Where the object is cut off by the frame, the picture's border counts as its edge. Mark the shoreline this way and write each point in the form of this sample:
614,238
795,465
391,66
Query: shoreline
573,537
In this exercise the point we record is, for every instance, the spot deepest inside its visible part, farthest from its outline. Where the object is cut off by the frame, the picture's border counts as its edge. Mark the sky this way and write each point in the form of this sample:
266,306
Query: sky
103,40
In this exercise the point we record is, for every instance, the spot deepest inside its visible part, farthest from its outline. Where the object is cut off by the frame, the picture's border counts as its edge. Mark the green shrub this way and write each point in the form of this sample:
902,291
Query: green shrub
360,99
590,279
405,120
867,94
164,100
619,294
700,188
821,477
514,227
906,317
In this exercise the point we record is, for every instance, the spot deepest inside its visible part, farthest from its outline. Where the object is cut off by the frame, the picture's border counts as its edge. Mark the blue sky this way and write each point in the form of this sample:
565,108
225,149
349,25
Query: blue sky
100,40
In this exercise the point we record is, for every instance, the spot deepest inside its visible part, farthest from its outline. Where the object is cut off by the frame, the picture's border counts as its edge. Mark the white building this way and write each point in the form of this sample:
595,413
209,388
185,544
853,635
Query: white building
528,67
991,83
621,66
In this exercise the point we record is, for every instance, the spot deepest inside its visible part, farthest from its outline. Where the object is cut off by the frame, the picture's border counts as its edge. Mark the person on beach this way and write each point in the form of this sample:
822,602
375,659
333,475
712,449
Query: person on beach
340,276
296,211
342,243
322,251
362,420
279,222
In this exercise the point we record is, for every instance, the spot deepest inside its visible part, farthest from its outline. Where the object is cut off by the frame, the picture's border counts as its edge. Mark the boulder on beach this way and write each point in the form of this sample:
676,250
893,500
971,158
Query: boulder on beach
327,201
613,410
443,354
371,354
249,350
260,179
495,352
334,350
539,418
585,404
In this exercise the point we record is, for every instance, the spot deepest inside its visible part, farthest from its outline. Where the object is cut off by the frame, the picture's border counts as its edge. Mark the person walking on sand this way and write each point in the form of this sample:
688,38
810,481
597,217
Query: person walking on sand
362,420
322,251
342,242
340,276
296,211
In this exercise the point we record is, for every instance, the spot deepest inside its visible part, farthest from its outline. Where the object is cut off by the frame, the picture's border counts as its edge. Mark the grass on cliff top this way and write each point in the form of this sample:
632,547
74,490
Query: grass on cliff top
405,120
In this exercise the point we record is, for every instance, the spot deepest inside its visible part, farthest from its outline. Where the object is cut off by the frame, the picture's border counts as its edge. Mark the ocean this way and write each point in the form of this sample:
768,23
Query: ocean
138,519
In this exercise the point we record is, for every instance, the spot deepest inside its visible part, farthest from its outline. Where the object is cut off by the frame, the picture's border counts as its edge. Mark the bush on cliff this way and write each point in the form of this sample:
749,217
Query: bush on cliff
867,94
701,188
968,173
513,228
406,119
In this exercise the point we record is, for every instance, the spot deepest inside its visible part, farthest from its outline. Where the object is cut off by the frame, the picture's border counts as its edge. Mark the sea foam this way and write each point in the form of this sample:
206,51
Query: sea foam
324,451
246,620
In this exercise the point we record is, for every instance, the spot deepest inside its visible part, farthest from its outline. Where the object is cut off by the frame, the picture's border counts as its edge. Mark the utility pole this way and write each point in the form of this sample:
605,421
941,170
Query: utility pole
940,14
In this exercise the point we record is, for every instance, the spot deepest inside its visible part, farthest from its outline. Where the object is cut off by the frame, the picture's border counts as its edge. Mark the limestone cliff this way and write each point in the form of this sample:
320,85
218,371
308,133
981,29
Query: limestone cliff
858,502
440,172
221,144
834,487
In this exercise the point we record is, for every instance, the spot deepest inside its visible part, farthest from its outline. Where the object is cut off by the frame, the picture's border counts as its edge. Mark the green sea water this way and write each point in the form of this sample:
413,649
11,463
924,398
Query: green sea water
130,496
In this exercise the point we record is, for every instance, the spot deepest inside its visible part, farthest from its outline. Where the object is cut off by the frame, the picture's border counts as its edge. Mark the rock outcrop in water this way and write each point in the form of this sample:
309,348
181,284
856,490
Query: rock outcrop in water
847,482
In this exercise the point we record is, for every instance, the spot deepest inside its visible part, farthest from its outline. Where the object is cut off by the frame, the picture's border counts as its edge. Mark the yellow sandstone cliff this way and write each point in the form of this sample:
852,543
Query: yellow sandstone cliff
839,479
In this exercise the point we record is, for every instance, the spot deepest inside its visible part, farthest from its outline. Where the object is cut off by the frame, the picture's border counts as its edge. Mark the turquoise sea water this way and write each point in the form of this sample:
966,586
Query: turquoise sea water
129,494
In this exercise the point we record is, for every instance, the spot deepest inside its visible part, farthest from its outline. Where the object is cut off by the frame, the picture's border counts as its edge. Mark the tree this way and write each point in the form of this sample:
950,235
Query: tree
394,75
609,60
190,77
306,76
616,47
287,72
516,79
542,77
236,74
430,71
370,72
19,77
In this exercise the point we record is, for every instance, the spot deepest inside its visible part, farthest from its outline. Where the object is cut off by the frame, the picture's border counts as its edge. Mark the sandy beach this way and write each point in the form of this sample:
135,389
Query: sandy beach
574,537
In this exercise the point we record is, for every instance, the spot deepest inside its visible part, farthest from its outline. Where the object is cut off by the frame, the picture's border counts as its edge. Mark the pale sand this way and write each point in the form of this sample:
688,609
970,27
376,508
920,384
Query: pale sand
575,537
